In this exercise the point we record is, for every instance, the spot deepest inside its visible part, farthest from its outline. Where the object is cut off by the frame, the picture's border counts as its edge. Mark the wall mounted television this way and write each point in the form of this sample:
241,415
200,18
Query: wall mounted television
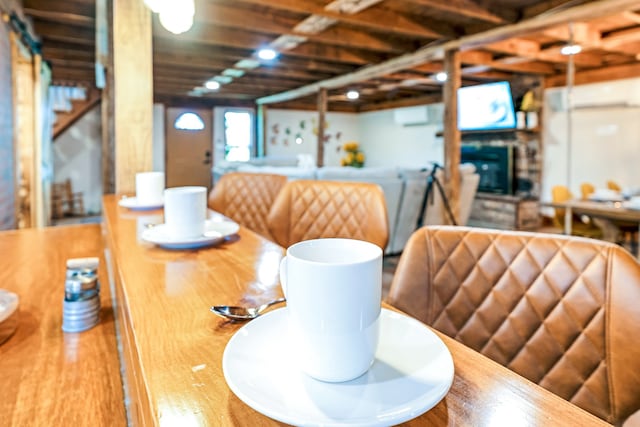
486,107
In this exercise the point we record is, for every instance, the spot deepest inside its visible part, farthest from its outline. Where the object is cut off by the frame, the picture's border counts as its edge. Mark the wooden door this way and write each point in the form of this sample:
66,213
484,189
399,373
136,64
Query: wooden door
189,149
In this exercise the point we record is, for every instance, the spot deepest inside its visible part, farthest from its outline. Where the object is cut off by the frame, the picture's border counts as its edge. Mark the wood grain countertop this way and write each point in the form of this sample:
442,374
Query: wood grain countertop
48,377
173,345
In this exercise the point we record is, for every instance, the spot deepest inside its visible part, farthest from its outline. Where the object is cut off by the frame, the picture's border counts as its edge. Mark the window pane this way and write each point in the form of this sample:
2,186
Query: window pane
189,121
237,131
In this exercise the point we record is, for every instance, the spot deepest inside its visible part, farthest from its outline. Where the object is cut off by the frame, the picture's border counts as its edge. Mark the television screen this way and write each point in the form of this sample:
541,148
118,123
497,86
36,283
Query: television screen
487,106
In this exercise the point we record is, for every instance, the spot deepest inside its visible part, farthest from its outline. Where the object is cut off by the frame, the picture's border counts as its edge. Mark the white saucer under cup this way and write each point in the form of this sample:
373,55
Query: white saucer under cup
333,289
185,211
149,188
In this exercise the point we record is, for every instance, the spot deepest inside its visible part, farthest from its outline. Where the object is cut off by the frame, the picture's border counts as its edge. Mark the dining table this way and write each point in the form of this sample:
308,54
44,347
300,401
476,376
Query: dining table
613,210
49,377
172,345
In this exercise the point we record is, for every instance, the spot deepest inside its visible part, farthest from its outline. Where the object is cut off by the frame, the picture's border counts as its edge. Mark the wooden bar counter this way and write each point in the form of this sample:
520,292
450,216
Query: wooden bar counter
49,377
173,345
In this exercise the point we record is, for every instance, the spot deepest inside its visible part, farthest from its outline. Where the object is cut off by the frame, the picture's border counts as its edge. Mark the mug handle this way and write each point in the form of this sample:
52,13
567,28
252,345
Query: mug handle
283,275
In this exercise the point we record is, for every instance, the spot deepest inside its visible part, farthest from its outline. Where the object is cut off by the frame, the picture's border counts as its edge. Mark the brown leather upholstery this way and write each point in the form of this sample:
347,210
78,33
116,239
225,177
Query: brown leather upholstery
562,311
315,209
247,198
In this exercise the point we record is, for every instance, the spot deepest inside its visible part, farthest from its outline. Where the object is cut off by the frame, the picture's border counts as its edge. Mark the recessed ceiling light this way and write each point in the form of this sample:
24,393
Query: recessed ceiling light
247,64
441,76
267,54
353,94
571,49
233,72
212,85
299,140
223,79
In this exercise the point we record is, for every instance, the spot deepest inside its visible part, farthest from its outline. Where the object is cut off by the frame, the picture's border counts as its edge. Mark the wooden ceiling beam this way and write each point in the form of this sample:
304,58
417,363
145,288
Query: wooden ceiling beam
61,17
583,34
64,33
429,53
250,20
383,21
465,8
207,34
593,76
166,48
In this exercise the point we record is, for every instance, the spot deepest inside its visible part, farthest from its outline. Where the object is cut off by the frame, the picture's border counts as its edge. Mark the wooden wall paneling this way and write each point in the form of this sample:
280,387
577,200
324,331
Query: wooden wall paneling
133,96
451,132
322,111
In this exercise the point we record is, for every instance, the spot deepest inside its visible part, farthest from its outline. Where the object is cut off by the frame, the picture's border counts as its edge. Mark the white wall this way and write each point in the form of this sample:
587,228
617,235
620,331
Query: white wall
77,154
605,136
283,126
388,143
384,141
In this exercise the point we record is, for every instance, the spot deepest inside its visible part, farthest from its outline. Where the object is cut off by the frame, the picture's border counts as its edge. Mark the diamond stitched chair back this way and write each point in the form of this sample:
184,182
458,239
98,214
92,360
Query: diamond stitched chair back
559,310
317,209
246,198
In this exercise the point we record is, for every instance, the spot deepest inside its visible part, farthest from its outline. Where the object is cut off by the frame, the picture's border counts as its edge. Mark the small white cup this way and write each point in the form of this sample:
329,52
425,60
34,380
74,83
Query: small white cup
185,211
333,289
149,188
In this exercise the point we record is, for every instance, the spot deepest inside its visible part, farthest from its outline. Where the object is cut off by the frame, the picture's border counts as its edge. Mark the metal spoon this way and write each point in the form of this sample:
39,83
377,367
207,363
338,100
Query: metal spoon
243,313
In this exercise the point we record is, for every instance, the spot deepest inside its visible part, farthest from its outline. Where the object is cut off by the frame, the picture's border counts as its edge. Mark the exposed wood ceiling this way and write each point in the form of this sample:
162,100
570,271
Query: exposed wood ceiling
321,40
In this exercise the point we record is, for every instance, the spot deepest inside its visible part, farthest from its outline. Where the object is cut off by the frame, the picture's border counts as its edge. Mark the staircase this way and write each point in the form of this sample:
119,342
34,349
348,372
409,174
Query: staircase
69,104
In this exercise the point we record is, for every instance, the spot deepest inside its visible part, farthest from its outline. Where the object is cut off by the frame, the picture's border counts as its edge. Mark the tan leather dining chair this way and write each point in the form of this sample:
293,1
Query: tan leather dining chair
247,198
307,209
559,310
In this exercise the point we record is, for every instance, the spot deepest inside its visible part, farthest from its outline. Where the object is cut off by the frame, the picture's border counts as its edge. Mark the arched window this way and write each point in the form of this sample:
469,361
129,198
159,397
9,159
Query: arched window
189,121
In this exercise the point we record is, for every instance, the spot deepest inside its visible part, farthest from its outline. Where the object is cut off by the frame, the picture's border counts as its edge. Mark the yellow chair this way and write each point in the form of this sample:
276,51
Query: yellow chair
587,189
612,185
561,193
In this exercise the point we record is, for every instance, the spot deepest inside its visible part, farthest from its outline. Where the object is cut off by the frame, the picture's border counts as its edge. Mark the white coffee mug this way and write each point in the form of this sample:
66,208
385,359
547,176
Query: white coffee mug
333,289
149,188
185,211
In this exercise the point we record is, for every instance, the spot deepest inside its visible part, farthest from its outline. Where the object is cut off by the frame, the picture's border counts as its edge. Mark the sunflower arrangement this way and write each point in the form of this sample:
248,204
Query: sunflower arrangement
353,156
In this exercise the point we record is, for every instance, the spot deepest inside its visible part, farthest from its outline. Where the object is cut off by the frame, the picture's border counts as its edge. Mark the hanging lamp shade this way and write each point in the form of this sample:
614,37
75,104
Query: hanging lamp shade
177,15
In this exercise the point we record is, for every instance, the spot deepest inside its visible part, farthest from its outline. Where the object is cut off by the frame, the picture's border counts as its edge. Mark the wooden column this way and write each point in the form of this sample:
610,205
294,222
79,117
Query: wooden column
451,132
133,91
322,110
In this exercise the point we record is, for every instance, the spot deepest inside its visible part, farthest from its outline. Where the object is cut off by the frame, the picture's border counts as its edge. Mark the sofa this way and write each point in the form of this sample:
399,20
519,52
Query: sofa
404,190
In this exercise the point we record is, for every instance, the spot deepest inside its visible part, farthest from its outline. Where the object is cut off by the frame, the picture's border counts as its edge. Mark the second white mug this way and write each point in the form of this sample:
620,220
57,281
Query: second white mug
185,211
333,289
149,188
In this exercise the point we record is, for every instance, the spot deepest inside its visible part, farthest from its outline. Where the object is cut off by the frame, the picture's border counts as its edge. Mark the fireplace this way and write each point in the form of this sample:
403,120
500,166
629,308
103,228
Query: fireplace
494,164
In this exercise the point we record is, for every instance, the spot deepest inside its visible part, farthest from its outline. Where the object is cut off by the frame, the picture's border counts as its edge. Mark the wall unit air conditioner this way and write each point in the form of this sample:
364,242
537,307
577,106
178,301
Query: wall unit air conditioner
595,96
411,116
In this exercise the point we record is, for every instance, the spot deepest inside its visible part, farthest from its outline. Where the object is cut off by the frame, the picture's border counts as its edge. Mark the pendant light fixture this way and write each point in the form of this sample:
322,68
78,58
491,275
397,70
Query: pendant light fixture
176,16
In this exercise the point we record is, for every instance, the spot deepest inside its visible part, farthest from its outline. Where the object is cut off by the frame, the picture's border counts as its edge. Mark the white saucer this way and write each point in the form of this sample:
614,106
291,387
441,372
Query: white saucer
215,232
132,203
412,372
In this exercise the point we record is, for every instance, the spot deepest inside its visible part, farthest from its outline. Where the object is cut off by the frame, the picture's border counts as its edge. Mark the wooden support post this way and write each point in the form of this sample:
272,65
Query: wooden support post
451,131
322,110
133,96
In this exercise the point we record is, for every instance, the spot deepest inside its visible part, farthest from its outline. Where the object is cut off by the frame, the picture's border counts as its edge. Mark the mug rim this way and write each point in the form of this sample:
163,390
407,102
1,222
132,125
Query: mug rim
375,251
186,189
